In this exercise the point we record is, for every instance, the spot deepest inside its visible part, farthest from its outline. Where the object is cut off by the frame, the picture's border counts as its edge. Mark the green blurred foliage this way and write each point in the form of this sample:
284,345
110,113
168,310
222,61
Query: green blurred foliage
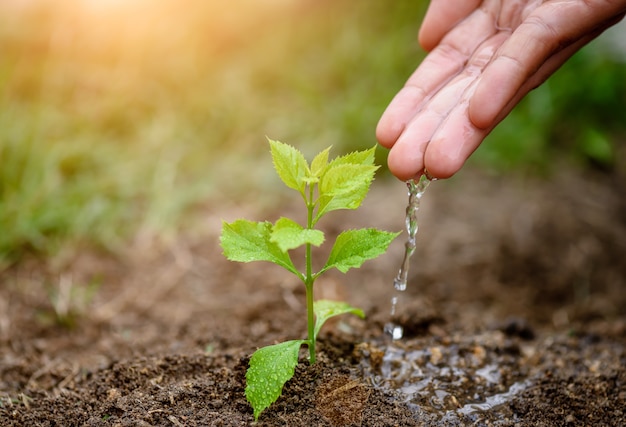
119,117
122,116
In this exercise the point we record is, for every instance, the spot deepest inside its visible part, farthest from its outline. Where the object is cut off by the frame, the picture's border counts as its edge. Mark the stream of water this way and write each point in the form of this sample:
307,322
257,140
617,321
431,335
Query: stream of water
416,192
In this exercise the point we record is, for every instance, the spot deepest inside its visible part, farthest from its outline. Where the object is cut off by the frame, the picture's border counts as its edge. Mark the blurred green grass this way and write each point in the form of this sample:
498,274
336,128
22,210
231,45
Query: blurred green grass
119,118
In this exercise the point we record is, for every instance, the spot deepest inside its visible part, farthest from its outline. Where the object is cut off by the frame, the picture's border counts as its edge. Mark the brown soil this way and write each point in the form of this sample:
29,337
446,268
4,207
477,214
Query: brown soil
515,316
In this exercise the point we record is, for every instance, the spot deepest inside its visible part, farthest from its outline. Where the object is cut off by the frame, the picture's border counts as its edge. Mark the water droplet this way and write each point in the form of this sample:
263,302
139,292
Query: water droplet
399,285
397,332
394,331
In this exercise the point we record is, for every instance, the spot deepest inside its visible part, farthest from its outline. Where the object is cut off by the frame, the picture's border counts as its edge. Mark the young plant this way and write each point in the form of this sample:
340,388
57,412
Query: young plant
325,186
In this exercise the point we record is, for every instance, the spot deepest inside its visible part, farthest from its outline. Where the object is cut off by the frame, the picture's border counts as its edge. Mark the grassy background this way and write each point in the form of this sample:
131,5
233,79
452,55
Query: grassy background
119,117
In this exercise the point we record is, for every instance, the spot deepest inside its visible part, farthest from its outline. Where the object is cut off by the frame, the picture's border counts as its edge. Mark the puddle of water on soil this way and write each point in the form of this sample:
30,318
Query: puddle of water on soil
460,379
416,191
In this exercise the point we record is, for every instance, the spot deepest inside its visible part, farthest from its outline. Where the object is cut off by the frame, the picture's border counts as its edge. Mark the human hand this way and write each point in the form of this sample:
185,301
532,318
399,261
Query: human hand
485,56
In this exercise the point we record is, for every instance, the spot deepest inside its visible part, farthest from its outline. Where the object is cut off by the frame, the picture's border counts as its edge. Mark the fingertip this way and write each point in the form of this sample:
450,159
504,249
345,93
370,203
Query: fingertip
452,145
433,26
483,106
426,38
442,158
440,165
388,131
405,163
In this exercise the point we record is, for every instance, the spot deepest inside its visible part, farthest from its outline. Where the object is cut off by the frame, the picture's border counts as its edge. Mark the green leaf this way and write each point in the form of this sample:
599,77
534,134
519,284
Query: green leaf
365,157
290,164
319,163
288,234
344,186
344,179
270,368
325,309
353,247
246,241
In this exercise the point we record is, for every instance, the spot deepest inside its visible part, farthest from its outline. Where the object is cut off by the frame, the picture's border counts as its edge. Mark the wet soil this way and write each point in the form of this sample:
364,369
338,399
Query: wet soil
515,315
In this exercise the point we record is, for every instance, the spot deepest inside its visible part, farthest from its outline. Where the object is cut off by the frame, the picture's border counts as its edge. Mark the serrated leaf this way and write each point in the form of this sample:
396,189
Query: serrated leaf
288,234
353,247
319,163
270,368
325,309
344,186
246,241
335,178
365,157
343,179
290,164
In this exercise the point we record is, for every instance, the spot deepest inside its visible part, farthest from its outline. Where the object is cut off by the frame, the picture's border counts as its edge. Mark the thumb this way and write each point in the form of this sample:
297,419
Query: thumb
441,17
